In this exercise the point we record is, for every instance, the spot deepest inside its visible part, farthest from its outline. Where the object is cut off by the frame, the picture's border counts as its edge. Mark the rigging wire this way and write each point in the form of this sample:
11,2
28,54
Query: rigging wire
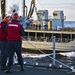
40,4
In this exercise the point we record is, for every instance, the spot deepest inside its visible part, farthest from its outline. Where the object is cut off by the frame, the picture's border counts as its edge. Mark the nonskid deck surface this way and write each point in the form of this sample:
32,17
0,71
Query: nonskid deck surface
30,70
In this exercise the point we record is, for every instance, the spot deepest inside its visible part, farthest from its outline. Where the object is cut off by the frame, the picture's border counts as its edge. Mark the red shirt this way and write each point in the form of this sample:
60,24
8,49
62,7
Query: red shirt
3,36
13,31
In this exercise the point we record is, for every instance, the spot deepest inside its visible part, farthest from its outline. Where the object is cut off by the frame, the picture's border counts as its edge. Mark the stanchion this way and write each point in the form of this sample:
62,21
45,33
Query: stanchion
54,40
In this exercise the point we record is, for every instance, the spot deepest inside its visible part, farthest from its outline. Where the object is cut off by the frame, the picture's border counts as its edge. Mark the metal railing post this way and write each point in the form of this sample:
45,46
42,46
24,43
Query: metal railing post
54,40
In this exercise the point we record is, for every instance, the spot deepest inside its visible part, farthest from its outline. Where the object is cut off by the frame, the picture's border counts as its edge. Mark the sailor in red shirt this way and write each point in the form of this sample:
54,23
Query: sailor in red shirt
14,33
3,39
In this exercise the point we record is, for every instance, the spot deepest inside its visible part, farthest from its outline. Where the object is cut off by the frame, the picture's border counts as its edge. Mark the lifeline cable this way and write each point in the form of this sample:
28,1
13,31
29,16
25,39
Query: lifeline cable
50,56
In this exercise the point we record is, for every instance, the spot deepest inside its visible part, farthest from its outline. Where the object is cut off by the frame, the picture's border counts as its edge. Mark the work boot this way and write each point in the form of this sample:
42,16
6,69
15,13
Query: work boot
8,70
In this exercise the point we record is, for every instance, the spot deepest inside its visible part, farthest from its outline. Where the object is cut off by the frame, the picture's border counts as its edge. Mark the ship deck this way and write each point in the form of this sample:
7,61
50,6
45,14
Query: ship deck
50,31
30,70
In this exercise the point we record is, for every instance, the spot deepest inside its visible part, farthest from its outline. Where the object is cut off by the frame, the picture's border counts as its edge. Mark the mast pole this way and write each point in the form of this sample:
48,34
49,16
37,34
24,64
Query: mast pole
3,8
24,8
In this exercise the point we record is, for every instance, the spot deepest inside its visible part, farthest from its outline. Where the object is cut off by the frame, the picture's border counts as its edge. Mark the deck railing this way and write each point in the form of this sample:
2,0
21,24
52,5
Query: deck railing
54,55
47,39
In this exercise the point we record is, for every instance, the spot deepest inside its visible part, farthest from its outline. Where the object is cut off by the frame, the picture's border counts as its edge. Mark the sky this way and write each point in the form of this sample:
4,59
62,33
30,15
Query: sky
68,7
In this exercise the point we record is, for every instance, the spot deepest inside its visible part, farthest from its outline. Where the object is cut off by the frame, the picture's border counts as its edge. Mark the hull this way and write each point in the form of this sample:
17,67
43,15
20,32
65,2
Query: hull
48,46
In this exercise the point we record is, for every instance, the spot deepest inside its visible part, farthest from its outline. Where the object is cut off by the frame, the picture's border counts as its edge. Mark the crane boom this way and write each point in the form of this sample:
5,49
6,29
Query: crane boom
32,6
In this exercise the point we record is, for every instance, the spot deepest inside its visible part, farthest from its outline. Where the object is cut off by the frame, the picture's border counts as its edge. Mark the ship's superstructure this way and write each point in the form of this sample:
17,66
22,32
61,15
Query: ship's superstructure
42,17
58,20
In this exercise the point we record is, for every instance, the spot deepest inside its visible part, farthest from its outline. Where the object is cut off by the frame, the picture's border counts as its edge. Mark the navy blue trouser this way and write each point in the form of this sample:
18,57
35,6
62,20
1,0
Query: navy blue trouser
14,46
3,53
0,52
